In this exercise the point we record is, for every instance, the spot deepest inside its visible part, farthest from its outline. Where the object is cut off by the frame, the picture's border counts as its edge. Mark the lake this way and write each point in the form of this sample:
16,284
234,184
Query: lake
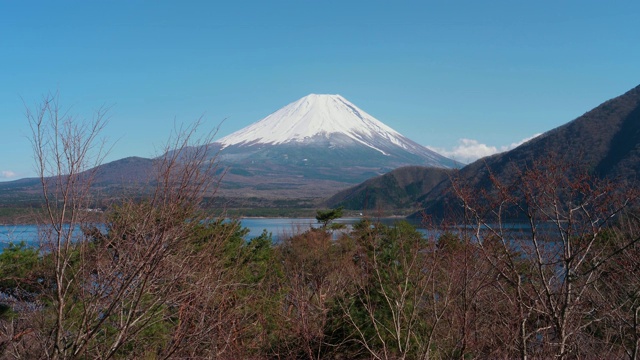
17,233
278,227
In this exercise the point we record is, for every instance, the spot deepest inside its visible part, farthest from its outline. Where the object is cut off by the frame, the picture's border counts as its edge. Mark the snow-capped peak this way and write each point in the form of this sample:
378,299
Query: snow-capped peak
314,115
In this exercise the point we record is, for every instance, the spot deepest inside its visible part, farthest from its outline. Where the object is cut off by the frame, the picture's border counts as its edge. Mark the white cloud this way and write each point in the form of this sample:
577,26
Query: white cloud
469,150
516,144
7,174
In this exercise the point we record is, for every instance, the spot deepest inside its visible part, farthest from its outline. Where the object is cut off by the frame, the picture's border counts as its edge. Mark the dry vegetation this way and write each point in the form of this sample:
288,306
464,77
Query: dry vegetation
161,279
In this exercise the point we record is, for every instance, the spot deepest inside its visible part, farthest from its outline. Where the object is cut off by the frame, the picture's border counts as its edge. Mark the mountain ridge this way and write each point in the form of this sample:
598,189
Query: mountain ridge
604,140
395,190
308,149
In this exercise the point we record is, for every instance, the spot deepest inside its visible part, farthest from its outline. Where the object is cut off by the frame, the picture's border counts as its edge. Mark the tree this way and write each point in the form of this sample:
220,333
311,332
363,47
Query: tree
542,266
156,278
615,299
400,295
19,265
65,151
326,218
315,271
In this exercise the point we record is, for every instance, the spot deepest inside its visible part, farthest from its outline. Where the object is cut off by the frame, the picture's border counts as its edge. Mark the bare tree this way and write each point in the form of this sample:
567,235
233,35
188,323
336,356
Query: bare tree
615,299
315,271
65,150
156,277
401,295
542,268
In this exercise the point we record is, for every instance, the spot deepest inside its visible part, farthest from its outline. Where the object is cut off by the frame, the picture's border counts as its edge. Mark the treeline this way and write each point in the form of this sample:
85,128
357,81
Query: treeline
150,286
162,278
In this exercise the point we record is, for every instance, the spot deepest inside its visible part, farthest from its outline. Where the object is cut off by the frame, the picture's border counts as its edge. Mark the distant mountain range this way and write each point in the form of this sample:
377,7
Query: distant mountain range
322,145
308,149
313,147
605,141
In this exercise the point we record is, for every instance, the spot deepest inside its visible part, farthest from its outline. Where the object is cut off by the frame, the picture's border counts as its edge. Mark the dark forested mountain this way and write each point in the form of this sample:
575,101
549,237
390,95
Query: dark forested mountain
604,141
397,189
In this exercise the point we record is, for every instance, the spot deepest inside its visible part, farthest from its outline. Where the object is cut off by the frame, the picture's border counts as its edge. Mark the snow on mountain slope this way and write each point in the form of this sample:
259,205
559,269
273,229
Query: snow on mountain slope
326,128
315,115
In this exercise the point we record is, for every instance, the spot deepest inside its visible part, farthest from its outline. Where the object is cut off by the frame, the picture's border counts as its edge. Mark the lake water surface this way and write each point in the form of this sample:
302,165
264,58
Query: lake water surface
278,227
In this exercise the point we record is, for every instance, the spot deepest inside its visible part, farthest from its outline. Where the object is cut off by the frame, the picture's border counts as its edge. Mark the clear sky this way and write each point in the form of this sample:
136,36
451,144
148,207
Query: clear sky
464,77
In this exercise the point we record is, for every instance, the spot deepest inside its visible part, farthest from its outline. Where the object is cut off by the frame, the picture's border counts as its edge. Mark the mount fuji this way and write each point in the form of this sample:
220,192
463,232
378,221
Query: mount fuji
317,138
295,157
331,120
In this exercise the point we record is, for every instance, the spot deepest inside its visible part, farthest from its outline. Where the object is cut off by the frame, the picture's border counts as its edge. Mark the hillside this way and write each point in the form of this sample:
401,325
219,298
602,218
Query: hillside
605,141
397,189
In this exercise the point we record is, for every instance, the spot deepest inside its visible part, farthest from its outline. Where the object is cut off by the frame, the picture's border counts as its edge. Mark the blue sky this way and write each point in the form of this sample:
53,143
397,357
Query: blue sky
464,77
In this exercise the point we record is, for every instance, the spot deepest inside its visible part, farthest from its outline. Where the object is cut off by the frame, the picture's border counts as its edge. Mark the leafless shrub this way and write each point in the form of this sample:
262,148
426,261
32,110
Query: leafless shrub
543,268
